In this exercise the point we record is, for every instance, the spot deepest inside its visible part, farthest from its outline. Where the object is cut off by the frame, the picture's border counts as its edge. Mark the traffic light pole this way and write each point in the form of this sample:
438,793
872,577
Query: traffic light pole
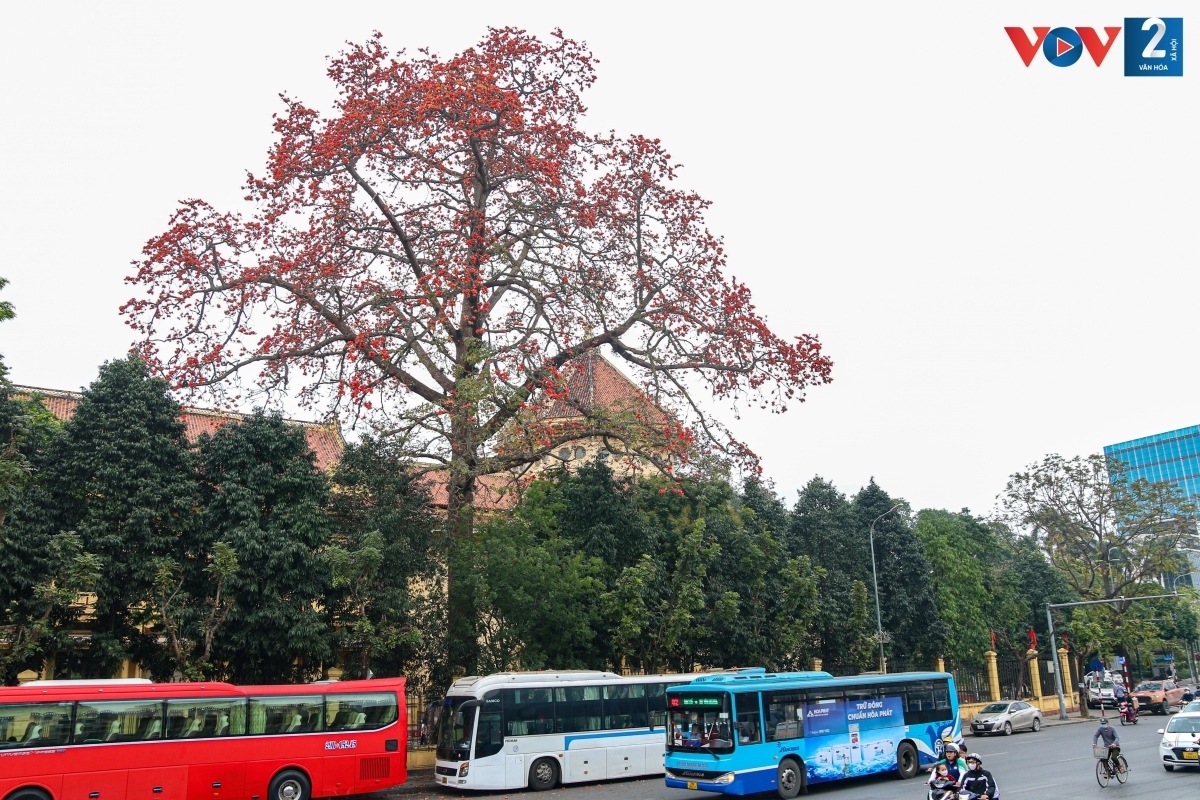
1058,680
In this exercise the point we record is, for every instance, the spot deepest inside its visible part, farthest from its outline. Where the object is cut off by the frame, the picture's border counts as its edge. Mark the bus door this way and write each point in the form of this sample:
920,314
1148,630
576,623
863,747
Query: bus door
488,744
783,732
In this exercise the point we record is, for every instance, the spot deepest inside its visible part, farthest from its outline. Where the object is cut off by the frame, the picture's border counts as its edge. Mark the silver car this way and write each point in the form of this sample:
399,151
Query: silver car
1006,717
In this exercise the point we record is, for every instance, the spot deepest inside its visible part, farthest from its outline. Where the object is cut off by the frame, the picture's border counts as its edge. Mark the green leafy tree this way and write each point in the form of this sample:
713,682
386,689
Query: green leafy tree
25,428
1108,536
386,561
190,628
655,605
962,551
825,529
537,598
599,513
121,477
762,601
908,601
32,625
834,533
262,495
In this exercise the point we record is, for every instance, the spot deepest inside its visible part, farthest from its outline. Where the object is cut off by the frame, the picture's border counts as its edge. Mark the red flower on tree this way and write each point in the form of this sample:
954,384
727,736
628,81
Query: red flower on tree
435,252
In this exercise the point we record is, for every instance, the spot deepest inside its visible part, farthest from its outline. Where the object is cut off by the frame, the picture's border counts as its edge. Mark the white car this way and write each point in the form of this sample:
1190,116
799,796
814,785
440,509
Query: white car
1180,745
1101,690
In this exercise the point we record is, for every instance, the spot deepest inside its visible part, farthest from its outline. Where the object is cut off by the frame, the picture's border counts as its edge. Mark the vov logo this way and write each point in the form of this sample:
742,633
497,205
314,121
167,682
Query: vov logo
1062,47
1153,45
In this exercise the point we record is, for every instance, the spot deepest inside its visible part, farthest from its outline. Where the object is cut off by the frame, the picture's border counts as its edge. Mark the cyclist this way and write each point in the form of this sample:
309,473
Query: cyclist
1111,740
978,783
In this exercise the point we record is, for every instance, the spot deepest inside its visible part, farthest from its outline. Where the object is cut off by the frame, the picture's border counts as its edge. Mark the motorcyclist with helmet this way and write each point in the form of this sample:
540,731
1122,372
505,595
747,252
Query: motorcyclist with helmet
977,783
955,765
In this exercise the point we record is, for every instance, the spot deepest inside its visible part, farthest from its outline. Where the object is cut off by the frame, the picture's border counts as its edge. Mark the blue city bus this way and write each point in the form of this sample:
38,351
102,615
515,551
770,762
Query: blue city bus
754,731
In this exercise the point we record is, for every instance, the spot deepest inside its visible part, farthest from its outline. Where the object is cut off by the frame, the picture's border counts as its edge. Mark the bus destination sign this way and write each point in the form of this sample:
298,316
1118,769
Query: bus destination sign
692,701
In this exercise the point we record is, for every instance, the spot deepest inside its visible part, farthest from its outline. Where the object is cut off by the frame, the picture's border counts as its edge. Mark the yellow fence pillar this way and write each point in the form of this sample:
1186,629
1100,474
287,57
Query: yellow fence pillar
993,674
939,665
1065,664
1035,674
815,664
1070,690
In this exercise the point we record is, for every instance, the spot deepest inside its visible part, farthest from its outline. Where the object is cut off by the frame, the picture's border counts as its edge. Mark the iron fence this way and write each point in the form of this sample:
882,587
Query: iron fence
1014,679
420,721
1049,689
972,684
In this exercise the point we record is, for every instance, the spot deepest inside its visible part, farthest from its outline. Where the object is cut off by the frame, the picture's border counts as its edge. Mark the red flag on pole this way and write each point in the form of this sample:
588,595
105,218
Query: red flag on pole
1032,640
993,637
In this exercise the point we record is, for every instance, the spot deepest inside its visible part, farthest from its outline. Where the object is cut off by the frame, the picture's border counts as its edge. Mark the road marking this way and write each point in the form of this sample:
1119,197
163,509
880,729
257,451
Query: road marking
1032,788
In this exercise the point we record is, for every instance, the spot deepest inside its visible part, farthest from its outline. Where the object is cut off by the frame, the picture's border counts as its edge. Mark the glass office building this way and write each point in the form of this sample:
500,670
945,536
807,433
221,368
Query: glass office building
1172,456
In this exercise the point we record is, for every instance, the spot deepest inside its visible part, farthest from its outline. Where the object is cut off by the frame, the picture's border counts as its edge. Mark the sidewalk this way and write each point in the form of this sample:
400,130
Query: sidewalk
1052,720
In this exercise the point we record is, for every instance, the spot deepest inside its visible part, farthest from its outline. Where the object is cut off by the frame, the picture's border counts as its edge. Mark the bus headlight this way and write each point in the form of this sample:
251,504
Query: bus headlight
464,769
725,779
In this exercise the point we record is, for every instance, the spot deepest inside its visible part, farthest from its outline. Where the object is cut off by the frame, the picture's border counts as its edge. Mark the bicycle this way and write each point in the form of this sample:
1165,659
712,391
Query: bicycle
1104,770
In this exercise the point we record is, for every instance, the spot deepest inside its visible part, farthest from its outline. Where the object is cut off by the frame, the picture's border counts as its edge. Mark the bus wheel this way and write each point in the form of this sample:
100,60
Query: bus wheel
28,794
791,780
543,774
290,785
906,760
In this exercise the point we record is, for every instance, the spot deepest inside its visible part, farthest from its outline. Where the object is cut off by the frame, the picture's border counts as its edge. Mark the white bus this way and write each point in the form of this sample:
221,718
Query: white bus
541,729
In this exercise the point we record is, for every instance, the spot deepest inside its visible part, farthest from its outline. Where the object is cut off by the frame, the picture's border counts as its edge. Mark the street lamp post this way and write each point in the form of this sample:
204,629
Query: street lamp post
875,581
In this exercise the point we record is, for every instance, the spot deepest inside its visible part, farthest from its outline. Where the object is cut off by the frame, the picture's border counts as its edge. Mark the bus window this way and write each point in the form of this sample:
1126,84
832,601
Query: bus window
138,721
858,694
656,696
699,722
927,701
284,715
360,712
35,724
624,706
785,715
528,712
656,702
749,721
453,734
577,708
205,719
941,698
895,690
489,738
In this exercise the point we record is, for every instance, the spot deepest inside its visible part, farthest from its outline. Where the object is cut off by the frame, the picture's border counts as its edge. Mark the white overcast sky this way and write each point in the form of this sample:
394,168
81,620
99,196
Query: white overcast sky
1000,260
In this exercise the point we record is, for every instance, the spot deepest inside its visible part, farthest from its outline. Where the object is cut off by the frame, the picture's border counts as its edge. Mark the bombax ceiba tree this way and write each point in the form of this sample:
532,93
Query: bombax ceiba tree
435,253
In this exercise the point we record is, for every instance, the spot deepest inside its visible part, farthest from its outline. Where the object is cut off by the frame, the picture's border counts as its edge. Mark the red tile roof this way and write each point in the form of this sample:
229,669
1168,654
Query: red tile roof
324,439
594,382
492,492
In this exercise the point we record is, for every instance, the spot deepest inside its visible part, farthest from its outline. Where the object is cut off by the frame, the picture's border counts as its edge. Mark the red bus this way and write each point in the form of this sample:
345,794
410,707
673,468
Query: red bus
110,740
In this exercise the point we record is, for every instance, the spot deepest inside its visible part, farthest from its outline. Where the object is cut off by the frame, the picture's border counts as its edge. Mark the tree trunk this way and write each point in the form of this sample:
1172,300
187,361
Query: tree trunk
462,638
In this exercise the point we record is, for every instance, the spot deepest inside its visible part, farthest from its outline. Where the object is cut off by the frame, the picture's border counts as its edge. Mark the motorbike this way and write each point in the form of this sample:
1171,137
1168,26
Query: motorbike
1129,714
943,789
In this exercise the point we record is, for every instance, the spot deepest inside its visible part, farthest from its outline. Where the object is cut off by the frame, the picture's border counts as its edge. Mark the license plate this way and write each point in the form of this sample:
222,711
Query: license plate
1191,755
692,784
445,780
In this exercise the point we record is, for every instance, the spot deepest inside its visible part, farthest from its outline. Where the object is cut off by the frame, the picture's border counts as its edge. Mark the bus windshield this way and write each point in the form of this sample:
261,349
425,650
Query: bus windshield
699,722
454,729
